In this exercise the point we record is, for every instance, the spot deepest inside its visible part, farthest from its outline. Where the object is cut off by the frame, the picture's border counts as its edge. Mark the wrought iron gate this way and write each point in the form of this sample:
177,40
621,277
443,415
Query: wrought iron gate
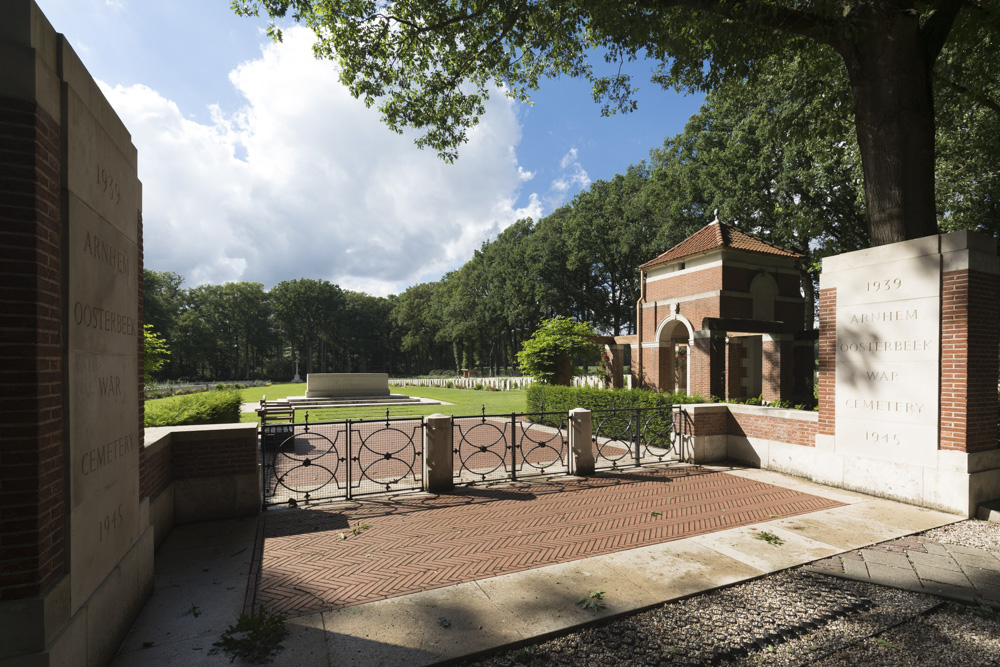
636,436
510,446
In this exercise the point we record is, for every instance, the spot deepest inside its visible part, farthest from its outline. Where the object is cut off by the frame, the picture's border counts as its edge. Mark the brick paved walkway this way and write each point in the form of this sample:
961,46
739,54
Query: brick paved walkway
351,553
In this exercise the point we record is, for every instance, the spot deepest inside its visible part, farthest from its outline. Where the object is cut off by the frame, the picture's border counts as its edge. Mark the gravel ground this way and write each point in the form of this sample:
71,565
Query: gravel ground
792,618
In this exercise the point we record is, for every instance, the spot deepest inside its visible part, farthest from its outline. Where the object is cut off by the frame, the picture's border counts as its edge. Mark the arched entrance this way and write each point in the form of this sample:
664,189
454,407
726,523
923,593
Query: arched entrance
675,336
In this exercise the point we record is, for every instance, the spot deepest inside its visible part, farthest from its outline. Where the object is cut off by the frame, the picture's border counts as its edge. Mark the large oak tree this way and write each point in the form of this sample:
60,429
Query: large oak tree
430,64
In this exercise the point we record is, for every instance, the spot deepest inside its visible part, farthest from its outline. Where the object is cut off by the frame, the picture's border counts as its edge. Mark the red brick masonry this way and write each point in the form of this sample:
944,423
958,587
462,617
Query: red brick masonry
32,502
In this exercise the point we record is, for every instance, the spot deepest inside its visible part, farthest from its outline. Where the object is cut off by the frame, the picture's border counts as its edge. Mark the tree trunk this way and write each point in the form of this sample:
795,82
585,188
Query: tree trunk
889,71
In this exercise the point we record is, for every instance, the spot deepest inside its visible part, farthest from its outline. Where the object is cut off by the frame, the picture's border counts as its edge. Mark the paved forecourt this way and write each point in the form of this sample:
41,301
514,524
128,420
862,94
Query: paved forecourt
709,537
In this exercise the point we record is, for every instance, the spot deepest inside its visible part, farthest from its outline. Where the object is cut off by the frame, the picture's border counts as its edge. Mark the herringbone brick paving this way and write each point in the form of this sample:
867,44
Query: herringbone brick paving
351,553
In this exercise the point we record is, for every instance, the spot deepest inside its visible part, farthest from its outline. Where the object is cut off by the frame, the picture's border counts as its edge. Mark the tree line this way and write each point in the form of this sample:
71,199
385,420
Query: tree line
776,154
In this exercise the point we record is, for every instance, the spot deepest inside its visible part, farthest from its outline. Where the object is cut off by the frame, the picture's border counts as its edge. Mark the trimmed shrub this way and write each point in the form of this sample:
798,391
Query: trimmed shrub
550,398
211,407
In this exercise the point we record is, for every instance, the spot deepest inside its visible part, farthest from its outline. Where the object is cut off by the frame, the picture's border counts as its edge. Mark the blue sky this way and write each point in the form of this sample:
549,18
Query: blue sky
257,165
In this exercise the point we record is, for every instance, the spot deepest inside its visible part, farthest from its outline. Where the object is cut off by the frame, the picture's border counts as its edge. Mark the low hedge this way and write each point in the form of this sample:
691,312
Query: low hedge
550,398
210,407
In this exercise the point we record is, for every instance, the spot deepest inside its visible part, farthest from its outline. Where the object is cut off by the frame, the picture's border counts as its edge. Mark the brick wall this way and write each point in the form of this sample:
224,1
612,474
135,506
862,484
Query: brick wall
758,424
32,503
715,422
705,280
970,328
210,454
156,469
827,359
211,472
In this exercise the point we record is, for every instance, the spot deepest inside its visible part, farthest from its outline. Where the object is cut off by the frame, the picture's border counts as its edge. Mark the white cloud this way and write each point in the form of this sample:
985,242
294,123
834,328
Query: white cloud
568,159
573,175
305,181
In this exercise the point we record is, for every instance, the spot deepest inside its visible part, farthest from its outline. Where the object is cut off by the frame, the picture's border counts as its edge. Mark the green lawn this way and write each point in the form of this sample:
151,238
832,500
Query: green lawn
464,402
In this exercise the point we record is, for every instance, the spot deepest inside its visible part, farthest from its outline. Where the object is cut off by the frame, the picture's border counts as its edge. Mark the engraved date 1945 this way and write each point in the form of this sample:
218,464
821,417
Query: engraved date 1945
110,522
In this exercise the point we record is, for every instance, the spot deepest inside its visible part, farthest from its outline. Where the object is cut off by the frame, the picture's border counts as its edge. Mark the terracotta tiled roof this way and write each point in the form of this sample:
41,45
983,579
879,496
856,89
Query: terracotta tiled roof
717,235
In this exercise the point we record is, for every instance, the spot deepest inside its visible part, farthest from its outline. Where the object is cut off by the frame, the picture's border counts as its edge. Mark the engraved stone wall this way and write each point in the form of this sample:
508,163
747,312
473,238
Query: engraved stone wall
103,326
888,353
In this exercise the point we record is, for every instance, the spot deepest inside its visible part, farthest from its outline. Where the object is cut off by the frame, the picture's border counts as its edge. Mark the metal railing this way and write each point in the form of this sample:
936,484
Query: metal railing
308,462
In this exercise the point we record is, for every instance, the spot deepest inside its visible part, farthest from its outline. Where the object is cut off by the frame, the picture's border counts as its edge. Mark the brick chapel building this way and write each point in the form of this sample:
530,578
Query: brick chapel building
722,314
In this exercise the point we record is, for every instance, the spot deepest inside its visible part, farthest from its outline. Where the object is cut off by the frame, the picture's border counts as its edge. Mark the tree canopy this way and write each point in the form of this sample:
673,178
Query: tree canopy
430,65
548,354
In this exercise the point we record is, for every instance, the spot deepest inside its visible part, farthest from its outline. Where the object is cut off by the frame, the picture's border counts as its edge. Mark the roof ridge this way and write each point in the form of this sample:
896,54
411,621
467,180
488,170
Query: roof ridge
722,236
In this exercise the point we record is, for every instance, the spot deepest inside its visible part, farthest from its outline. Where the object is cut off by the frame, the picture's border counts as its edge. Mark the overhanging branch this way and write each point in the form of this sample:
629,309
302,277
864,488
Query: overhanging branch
758,14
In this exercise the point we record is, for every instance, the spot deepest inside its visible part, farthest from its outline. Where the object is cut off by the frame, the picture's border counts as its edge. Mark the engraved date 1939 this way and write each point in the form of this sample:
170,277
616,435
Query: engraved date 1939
108,184
884,285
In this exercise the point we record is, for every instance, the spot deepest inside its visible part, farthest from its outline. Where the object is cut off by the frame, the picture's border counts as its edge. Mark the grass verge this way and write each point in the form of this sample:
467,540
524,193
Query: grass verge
462,402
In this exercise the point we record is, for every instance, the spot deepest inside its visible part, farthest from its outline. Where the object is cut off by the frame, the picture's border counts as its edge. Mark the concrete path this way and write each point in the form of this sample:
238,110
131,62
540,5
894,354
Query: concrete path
925,566
202,573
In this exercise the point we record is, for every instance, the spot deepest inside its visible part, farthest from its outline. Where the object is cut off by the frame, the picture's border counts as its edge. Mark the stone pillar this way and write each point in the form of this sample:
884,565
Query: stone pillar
912,355
615,365
777,367
970,328
735,368
581,444
701,364
827,373
439,455
681,367
76,558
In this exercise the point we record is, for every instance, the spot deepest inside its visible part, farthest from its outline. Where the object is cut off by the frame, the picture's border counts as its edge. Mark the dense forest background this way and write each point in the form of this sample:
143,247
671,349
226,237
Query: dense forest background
776,155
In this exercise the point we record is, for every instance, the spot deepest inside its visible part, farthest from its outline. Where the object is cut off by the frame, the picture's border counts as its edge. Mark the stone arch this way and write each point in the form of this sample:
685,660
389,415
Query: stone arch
670,324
